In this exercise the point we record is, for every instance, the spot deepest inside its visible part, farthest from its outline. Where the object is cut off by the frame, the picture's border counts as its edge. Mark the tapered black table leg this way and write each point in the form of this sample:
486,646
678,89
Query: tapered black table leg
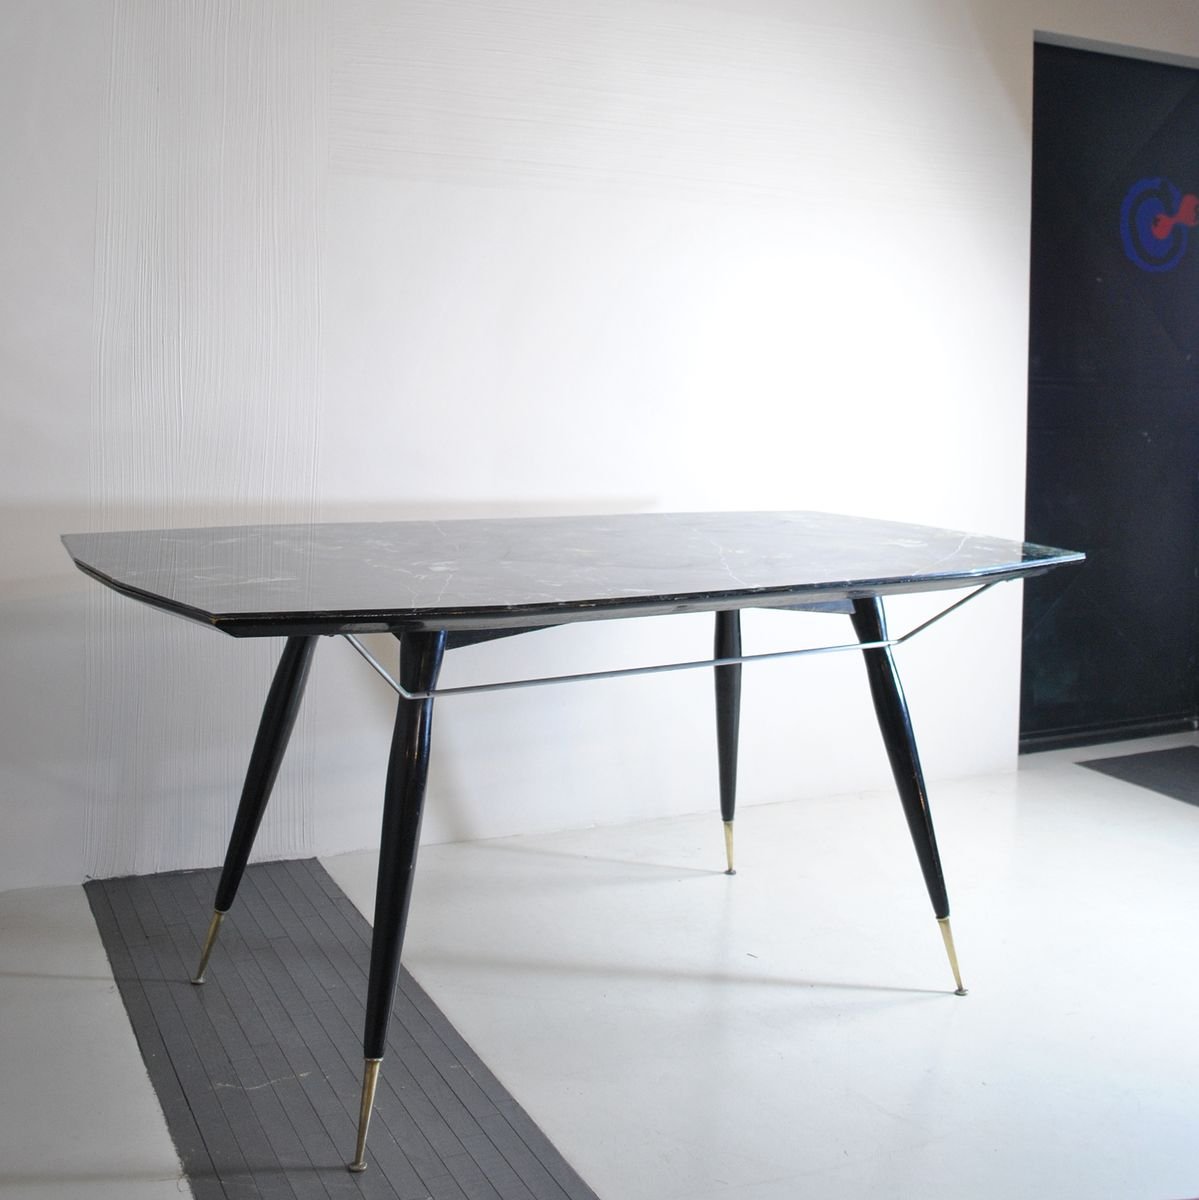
274,731
727,644
891,708
407,772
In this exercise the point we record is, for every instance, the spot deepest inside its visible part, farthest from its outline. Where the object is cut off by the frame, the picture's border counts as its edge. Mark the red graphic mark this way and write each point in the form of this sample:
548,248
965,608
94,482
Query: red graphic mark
1187,214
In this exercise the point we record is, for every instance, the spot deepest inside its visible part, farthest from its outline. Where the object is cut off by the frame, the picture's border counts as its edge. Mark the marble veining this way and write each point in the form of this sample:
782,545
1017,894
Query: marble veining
258,580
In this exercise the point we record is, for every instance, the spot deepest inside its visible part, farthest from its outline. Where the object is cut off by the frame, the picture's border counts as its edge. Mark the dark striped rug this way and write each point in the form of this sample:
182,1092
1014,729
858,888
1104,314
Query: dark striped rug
258,1071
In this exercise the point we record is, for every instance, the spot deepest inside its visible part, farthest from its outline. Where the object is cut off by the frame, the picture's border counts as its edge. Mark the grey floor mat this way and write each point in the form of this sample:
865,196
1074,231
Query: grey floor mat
1172,773
258,1071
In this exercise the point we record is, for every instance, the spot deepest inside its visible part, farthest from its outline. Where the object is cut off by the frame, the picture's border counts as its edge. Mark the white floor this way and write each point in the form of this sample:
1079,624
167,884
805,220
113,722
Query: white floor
790,1032
78,1117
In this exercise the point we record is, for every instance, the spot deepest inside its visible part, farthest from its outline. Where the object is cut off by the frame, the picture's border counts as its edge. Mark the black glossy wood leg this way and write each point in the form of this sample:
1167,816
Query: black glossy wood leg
274,731
407,772
727,644
891,708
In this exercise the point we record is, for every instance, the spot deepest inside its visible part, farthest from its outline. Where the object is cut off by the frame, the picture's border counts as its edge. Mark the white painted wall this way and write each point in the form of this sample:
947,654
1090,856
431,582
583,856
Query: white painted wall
394,258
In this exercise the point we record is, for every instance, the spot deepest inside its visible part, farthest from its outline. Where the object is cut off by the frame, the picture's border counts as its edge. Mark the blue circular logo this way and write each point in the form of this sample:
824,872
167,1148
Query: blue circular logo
1153,202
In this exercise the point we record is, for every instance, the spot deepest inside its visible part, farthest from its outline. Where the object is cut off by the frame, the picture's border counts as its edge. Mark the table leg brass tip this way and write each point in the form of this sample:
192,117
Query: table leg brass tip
728,847
214,927
947,935
370,1080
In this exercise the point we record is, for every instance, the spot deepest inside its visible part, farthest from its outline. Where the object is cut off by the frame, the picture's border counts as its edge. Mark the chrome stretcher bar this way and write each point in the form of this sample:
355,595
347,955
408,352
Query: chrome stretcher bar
437,585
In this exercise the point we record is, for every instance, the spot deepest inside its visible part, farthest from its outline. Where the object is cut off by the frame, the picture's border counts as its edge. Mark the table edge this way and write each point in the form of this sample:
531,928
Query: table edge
289,624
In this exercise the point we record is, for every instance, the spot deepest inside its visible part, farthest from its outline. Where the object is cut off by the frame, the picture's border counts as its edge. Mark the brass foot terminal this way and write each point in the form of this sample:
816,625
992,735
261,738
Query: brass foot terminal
947,934
728,846
370,1080
214,927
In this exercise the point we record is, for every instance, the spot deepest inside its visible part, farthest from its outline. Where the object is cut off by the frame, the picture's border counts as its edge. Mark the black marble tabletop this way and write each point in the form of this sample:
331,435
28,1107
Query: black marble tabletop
269,580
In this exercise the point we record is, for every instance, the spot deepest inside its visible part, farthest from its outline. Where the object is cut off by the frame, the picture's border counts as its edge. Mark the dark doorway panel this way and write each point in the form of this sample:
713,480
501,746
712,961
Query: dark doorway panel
1113,427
